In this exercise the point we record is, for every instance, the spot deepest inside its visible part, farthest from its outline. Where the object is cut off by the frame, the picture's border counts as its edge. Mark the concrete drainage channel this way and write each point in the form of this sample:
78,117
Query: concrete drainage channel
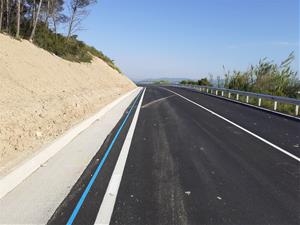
98,185
22,191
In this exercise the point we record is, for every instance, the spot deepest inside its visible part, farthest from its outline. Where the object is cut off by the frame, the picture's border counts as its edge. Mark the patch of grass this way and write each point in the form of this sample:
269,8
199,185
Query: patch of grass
286,108
242,98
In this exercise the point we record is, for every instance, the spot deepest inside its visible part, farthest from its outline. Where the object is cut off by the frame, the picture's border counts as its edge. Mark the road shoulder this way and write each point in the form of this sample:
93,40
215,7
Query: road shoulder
57,176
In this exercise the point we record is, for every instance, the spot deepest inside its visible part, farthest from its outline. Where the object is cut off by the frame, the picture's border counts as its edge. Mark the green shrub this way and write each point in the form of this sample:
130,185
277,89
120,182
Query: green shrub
70,49
267,78
202,82
161,82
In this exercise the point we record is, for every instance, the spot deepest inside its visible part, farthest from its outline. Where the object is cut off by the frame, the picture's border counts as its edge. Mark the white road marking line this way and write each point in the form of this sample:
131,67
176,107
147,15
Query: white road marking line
156,101
108,203
238,126
18,175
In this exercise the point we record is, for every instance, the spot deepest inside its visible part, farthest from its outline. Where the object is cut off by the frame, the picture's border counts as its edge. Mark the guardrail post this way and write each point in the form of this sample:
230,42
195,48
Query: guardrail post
275,105
222,93
229,95
211,91
247,99
297,110
237,97
259,102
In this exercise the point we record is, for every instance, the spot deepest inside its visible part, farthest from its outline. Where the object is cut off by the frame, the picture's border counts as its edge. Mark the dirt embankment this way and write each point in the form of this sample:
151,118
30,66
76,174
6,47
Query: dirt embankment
42,95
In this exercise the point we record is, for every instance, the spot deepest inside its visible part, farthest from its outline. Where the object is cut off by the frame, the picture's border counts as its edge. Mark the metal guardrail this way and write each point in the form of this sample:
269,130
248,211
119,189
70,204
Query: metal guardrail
228,92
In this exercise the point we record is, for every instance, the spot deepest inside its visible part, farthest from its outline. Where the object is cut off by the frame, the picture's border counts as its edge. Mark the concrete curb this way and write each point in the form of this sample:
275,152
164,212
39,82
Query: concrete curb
14,178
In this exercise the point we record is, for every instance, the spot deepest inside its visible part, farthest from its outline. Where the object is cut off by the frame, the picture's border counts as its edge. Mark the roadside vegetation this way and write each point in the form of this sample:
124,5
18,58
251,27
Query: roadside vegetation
267,77
161,82
39,22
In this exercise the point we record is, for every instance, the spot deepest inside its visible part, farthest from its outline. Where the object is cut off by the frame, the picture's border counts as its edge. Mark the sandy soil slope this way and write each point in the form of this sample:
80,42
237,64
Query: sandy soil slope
42,95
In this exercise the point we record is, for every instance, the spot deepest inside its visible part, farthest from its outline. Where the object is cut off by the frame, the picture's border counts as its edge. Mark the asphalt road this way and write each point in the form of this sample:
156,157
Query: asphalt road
188,166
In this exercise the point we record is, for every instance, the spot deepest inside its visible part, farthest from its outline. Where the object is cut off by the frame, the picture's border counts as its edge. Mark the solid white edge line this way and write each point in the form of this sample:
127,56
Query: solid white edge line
108,203
238,126
24,170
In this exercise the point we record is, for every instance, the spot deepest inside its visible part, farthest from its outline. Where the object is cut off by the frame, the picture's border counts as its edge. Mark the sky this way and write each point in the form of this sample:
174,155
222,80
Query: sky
192,38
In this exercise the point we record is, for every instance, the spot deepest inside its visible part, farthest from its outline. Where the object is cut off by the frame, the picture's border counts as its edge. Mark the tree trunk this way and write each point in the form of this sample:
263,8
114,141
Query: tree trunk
1,12
18,18
7,16
33,13
47,13
54,25
35,22
22,9
73,16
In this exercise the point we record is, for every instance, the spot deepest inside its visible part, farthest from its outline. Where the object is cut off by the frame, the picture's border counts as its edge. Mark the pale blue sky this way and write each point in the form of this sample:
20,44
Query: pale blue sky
191,38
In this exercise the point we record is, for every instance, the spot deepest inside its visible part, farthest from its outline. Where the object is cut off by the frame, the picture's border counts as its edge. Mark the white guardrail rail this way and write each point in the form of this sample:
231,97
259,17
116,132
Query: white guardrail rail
227,93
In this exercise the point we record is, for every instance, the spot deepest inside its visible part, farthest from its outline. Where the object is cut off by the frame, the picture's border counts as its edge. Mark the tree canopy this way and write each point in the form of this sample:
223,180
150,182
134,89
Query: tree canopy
39,20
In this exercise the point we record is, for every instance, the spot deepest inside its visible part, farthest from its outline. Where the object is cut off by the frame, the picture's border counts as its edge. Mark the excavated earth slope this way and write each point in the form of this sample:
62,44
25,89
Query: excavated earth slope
42,95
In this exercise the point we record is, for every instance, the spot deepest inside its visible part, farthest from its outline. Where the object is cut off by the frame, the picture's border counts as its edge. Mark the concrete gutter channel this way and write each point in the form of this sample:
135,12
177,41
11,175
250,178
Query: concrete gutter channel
31,193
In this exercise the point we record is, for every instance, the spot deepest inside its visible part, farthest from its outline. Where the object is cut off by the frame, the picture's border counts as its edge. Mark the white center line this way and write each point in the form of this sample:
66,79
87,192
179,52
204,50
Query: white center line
108,203
238,126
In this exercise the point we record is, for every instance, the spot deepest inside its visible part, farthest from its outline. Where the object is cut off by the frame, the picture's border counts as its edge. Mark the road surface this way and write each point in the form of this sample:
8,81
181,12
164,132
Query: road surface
193,159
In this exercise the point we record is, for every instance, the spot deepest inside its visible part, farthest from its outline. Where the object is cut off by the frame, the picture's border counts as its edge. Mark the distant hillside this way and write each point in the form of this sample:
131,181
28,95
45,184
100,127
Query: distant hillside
168,79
